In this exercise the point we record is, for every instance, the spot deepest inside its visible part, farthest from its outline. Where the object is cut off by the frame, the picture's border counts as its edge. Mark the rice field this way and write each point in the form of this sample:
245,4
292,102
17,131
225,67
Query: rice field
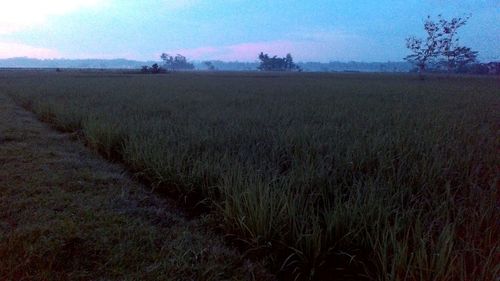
323,176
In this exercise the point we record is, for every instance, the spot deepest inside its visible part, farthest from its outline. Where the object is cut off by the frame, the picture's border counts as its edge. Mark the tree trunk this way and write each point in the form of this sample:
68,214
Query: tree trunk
421,70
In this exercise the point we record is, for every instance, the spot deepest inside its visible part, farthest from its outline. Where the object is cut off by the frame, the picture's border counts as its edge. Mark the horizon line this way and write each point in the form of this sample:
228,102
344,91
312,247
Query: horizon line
201,61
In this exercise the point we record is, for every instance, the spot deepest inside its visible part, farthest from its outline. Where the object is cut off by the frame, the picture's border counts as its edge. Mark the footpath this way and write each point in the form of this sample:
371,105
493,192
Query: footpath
68,214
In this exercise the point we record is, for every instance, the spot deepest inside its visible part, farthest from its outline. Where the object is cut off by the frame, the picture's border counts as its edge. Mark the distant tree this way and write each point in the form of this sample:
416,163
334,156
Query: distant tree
490,68
168,60
265,62
494,67
155,68
179,62
210,66
289,65
476,68
277,64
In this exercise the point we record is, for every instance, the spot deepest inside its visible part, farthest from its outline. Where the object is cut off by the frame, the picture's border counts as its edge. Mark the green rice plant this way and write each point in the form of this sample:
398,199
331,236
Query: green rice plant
105,137
381,177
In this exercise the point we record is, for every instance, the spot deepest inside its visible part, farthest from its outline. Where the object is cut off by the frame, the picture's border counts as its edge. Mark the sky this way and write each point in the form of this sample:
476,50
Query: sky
235,30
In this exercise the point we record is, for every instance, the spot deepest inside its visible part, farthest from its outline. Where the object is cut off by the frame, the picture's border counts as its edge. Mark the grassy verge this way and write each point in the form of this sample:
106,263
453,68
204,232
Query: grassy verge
66,214
355,176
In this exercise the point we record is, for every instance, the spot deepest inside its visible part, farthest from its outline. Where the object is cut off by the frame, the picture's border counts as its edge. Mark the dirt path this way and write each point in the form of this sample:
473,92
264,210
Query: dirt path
67,214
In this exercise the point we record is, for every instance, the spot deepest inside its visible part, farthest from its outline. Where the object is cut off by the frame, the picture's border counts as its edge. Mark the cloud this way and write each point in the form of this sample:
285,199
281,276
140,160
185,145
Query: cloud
20,14
10,50
304,46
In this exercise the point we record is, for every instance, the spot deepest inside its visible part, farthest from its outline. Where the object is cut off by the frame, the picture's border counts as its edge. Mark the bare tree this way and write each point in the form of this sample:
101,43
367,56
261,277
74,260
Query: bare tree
440,46
424,51
453,54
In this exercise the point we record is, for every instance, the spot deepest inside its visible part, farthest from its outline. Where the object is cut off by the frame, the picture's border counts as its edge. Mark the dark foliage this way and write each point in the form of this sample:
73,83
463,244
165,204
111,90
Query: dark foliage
210,66
154,69
277,64
491,68
179,62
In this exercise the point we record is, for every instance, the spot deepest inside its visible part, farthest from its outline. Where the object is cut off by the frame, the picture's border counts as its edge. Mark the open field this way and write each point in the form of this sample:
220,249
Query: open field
376,176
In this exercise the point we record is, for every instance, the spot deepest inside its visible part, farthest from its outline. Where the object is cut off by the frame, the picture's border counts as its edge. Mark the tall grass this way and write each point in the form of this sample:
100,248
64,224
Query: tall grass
334,176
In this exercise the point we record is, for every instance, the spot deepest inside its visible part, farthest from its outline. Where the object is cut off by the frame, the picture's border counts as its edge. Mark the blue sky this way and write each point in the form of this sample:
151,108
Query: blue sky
314,30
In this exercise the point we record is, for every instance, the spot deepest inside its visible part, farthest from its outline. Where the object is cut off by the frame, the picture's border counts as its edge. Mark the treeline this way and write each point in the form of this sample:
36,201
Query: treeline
24,62
169,63
492,68
444,57
312,66
180,63
334,66
486,68
489,68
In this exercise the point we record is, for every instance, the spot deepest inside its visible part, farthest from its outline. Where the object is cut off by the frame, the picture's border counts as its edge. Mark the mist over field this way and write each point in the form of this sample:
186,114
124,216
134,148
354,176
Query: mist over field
219,65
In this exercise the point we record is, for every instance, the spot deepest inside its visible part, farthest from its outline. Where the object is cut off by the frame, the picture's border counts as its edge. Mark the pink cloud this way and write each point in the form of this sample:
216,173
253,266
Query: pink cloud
194,53
9,50
321,46
243,52
249,51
